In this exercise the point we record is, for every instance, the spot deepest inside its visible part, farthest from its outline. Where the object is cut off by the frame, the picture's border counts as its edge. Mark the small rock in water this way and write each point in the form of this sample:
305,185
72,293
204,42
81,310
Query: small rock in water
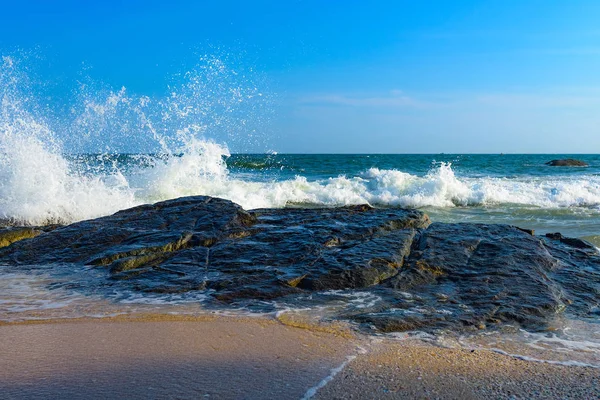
567,162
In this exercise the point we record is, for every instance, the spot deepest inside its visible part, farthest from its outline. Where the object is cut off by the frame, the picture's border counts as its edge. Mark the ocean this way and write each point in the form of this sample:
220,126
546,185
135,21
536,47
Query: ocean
518,190
46,179
510,189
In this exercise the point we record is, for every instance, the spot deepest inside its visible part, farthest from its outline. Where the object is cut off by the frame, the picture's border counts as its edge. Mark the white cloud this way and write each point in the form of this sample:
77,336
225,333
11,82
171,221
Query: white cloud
569,98
395,98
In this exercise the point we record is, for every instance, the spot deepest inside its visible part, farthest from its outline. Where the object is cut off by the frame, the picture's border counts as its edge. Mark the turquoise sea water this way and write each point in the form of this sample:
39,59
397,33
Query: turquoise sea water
489,188
511,188
47,175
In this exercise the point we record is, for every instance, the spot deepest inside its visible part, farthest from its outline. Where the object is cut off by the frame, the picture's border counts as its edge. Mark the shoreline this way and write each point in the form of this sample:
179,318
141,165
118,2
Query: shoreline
155,355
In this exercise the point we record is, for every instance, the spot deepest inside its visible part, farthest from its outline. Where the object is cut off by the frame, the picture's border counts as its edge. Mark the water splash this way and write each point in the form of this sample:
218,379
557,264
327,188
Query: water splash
41,185
36,184
175,138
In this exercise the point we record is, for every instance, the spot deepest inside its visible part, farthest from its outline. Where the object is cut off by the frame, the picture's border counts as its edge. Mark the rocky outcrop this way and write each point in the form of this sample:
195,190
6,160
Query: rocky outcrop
440,276
477,275
567,162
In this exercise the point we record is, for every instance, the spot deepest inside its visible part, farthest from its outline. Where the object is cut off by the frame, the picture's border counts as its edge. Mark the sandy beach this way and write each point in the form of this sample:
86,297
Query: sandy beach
414,370
168,357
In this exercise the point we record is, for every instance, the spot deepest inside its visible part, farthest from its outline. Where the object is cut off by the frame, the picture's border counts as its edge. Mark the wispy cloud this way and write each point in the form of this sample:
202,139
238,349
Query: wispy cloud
538,101
582,98
530,120
393,99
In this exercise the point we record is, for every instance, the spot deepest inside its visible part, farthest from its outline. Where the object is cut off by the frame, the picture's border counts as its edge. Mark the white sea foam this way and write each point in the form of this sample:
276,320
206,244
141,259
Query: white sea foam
310,393
439,188
357,298
38,186
20,293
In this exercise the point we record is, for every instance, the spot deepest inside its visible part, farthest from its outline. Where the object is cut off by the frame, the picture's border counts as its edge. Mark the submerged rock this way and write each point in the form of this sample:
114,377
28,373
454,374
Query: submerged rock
567,162
425,277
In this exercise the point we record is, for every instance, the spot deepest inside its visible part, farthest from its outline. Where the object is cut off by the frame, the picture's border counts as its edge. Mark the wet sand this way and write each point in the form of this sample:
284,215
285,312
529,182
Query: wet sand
157,356
161,357
416,370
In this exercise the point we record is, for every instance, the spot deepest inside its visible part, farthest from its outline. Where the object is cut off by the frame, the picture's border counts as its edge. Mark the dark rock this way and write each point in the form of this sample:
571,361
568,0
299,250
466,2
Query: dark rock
489,271
567,162
201,239
459,276
142,231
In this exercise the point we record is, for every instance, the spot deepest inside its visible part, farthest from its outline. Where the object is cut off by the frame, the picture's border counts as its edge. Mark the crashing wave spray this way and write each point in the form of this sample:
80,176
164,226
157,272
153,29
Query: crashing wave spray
37,185
40,185
175,157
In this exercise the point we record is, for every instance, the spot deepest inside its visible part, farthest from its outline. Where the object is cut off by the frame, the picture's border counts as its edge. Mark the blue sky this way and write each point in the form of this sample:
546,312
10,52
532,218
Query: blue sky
353,76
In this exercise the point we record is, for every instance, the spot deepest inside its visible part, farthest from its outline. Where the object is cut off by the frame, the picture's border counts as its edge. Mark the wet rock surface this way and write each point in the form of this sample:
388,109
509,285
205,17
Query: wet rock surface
455,276
477,275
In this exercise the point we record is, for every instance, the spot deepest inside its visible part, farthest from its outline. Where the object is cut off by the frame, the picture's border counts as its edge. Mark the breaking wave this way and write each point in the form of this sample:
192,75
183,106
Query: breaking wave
41,183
